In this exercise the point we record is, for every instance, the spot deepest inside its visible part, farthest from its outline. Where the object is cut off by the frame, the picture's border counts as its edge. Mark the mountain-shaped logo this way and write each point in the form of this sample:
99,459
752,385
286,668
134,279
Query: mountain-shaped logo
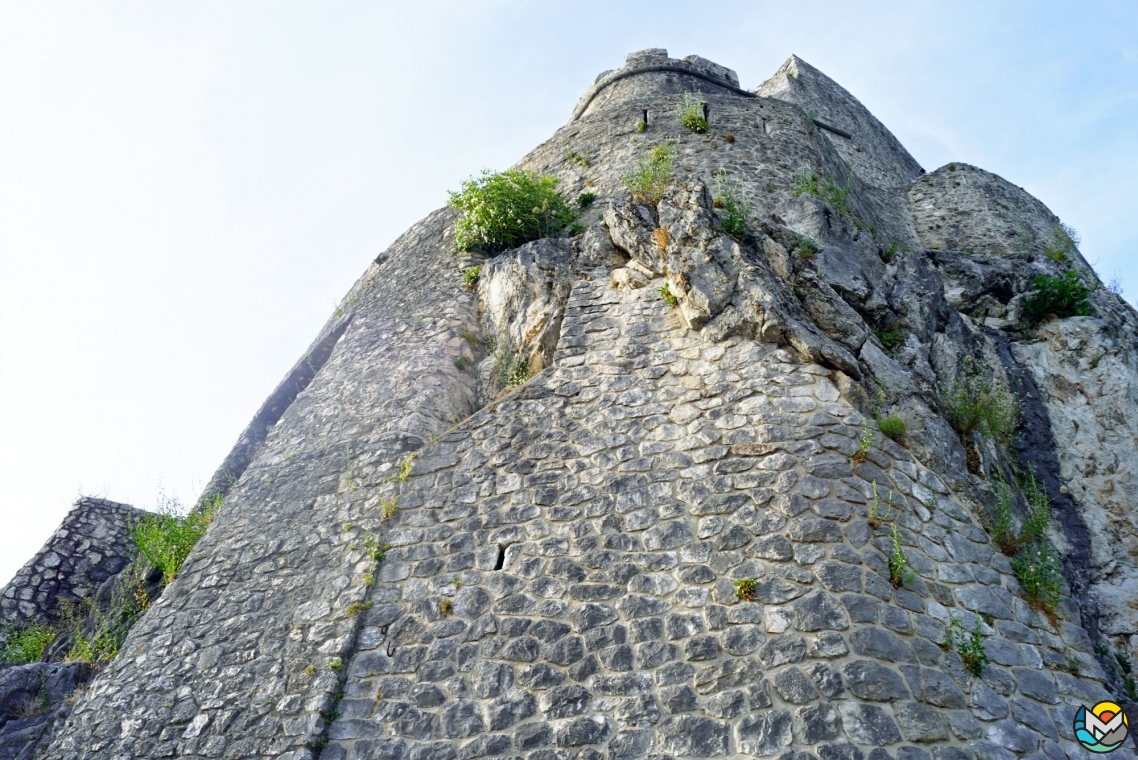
1102,728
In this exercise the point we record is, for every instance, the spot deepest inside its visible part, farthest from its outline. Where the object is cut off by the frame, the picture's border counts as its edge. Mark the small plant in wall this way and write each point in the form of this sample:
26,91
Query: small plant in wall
690,113
470,277
969,645
728,197
899,569
746,588
666,294
878,512
864,444
445,607
649,176
892,426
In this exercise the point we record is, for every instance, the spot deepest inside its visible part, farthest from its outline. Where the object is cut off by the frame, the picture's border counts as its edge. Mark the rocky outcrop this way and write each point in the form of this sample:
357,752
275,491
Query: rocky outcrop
35,700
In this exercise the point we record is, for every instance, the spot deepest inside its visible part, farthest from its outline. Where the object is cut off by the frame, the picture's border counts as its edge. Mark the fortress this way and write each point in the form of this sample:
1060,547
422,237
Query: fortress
679,532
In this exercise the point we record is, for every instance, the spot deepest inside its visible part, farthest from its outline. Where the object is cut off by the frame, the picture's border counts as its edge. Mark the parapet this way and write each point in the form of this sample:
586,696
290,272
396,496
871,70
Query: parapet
652,72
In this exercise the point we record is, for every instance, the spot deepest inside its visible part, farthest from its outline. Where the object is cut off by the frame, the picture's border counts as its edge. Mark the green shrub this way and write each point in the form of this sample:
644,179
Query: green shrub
649,177
166,538
506,209
584,200
26,644
727,197
669,298
1062,244
690,113
512,369
807,182
970,646
574,157
975,401
892,426
1003,520
1064,296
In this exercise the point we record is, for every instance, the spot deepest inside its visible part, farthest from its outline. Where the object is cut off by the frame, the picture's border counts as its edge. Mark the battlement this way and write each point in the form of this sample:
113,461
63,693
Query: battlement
652,72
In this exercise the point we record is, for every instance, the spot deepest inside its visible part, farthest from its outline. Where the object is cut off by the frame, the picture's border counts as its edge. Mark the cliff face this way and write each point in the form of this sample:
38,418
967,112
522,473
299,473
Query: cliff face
685,536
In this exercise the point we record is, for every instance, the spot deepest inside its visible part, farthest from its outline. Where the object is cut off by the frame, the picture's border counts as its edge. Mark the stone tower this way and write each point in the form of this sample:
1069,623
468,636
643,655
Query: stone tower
681,537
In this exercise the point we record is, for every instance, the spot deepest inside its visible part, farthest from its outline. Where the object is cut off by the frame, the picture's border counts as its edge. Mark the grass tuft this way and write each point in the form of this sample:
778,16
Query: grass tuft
26,644
649,177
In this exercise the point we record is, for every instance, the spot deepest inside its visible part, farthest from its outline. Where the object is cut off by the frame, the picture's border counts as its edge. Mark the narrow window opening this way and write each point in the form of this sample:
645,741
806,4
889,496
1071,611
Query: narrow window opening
706,113
645,117
501,557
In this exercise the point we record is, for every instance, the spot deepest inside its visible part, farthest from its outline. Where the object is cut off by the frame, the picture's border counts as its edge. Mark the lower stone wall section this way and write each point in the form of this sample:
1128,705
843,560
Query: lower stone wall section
561,581
92,544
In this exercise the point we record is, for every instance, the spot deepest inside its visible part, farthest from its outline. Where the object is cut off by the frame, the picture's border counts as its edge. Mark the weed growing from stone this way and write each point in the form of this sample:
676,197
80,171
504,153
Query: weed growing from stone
899,569
506,209
94,634
1074,667
574,157
641,127
388,508
889,251
1063,296
1062,243
470,277
445,607
977,402
745,589
890,337
660,235
25,644
1038,571
728,197
805,181
690,113
405,467
648,178
335,663
730,139
666,294
1125,672
864,444
806,248
1003,522
512,369
584,200
877,515
470,338
356,608
970,646
892,426
166,538
457,583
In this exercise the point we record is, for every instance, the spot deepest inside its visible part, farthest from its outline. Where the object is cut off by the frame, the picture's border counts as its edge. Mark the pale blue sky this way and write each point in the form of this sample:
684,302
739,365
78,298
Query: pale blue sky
187,189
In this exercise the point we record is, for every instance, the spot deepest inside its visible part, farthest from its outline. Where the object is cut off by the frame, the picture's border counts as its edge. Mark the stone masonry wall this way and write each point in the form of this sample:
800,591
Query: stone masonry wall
236,658
560,577
90,545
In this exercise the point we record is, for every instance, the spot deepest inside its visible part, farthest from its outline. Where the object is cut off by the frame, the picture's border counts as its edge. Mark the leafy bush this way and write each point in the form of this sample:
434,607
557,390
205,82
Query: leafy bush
727,197
1064,296
649,177
165,539
584,200
666,294
975,401
506,209
970,646
690,113
892,426
26,644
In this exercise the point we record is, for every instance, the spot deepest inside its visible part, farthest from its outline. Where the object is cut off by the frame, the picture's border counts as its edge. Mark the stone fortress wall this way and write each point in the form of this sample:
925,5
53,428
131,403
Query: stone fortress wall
560,577
90,546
